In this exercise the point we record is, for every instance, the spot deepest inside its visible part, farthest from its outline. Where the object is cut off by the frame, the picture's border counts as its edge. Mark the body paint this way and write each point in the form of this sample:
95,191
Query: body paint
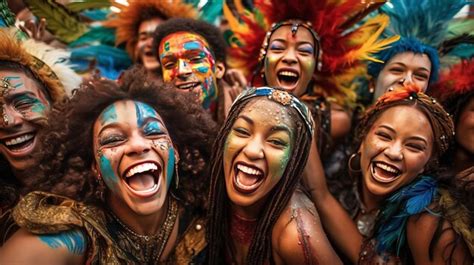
192,45
303,237
108,115
144,111
170,167
107,171
73,240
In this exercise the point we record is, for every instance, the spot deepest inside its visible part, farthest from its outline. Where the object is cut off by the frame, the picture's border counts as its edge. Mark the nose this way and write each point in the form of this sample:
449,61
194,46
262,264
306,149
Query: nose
254,149
290,56
406,79
394,152
184,70
149,41
10,118
137,146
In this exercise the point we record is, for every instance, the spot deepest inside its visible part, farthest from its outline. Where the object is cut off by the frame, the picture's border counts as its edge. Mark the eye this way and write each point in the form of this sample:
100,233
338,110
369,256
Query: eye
23,104
278,142
153,129
397,70
275,46
384,136
415,147
421,76
111,139
239,131
305,49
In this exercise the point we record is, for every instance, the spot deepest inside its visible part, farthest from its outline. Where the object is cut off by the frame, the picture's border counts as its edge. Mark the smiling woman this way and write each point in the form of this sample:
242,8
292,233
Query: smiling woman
120,151
255,205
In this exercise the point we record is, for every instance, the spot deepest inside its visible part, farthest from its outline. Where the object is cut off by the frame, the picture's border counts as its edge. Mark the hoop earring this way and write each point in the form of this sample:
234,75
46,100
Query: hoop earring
353,162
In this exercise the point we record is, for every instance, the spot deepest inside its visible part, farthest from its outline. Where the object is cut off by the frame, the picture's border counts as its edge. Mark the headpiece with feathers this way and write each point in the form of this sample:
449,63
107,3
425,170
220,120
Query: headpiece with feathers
128,20
12,50
342,45
456,81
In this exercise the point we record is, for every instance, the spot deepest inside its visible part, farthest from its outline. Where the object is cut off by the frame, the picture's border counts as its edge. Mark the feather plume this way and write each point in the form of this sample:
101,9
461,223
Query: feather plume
81,5
7,18
455,81
96,35
63,23
409,200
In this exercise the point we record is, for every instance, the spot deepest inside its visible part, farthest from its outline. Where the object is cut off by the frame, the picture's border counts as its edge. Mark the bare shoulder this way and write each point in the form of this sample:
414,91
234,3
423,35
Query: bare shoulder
298,237
432,240
68,247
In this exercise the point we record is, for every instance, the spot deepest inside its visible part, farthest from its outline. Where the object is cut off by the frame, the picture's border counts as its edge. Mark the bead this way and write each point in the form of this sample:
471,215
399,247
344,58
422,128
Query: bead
198,227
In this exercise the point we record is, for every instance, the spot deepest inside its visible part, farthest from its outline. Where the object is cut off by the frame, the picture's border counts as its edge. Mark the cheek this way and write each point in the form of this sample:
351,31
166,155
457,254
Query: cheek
107,171
169,74
308,64
231,147
277,162
416,163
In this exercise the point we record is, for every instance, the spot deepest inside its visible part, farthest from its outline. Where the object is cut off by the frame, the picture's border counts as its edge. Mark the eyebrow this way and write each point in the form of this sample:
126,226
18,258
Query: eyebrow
275,128
14,95
419,138
299,42
404,65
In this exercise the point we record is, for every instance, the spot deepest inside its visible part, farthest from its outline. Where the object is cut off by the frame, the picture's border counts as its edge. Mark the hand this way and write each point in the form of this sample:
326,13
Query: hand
35,30
236,79
465,179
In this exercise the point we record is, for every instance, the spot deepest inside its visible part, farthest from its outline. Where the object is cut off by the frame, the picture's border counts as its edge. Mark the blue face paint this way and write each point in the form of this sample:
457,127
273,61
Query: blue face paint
202,69
192,45
12,78
152,127
107,172
73,240
144,111
170,167
108,115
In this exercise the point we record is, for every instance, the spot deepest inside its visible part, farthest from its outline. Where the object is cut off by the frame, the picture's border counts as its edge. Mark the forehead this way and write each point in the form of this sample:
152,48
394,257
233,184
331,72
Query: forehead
284,32
406,119
20,82
268,112
149,25
412,59
183,40
127,110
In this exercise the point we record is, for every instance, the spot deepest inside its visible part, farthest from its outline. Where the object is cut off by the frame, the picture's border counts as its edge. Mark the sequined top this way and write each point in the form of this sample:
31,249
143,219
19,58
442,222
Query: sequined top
44,213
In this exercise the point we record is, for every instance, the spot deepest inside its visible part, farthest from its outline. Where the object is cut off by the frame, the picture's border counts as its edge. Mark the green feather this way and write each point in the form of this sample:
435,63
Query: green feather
459,27
62,22
7,17
78,5
96,35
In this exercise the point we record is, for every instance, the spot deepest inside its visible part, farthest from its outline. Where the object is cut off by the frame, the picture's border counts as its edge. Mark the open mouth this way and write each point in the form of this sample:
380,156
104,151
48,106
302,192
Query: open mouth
288,78
144,179
20,144
247,178
385,173
188,86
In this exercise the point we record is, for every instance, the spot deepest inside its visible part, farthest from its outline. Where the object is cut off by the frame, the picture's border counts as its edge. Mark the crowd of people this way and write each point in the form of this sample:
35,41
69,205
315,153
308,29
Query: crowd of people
236,132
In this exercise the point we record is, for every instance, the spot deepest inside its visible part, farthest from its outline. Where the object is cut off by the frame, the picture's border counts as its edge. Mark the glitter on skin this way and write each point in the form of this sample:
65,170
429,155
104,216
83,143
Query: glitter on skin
108,115
143,112
108,174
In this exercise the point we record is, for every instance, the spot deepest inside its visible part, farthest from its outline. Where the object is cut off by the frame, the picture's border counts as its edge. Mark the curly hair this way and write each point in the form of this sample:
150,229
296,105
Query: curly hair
210,33
219,202
67,141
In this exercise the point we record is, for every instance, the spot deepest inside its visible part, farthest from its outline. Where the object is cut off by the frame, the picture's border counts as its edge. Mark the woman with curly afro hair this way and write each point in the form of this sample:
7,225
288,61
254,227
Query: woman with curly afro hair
131,156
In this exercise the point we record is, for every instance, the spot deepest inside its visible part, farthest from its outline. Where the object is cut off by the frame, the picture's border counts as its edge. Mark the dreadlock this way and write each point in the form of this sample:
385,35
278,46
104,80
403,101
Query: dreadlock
218,231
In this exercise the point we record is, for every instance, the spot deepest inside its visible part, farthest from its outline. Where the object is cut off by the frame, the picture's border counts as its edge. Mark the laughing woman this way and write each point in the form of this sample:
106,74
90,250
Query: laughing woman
123,141
396,201
257,213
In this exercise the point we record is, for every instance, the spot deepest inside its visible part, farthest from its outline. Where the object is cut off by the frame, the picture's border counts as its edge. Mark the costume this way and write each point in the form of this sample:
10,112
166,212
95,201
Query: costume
109,240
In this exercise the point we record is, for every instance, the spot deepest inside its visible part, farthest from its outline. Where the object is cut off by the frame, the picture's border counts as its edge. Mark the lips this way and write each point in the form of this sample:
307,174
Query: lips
247,178
384,172
288,78
20,145
187,85
144,179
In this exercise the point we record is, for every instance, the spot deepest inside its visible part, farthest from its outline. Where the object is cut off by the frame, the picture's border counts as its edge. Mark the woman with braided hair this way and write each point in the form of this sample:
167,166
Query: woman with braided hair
123,141
396,217
257,213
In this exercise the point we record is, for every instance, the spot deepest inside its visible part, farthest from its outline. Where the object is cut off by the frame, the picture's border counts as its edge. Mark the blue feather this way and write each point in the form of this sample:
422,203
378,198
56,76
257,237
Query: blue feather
96,35
409,200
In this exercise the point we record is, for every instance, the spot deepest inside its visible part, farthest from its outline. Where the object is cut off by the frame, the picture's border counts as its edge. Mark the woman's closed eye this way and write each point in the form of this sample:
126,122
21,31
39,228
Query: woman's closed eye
384,136
111,139
241,131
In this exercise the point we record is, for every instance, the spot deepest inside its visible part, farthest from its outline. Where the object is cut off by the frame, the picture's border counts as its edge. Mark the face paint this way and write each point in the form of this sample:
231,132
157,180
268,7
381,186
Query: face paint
257,151
133,151
188,63
290,59
23,106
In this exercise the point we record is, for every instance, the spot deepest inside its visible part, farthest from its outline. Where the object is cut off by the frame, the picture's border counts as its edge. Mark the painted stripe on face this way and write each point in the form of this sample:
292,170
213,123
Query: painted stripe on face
13,78
108,115
192,45
73,240
108,174
170,167
144,111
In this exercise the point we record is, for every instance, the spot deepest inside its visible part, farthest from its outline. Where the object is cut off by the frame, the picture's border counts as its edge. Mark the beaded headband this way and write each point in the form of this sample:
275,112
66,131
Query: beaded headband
282,97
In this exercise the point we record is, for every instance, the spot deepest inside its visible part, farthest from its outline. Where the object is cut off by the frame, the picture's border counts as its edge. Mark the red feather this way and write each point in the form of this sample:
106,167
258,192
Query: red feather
455,81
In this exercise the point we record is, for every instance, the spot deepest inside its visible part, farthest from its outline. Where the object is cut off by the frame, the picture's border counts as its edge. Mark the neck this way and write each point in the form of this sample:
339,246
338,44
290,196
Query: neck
462,160
370,201
250,212
141,224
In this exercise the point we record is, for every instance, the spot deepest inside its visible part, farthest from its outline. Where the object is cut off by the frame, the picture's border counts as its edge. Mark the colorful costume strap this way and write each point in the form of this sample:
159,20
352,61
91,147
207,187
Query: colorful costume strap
282,97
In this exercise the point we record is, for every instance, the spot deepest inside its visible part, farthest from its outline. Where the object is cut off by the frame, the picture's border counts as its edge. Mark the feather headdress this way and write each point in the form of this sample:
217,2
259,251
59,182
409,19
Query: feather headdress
342,46
128,20
12,50
456,81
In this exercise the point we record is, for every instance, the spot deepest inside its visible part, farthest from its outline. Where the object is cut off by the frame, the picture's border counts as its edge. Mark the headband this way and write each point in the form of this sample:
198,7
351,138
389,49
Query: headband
282,97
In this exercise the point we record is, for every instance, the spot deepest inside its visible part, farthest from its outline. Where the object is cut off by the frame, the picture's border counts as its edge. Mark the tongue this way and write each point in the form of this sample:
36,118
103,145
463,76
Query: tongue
141,182
247,179
384,174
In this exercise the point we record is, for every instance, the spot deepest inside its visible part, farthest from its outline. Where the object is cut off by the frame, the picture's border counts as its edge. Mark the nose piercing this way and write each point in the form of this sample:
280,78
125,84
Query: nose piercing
401,81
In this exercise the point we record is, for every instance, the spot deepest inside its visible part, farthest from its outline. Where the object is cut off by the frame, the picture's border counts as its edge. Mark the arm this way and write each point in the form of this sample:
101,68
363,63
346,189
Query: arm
343,231
446,250
299,236
23,247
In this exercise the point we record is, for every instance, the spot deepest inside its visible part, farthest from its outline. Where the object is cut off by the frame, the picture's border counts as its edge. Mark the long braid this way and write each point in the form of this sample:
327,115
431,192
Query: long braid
218,231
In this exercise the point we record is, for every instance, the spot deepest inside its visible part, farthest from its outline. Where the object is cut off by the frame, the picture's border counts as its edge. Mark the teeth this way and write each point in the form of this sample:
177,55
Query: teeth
248,170
288,73
186,86
141,168
387,168
19,139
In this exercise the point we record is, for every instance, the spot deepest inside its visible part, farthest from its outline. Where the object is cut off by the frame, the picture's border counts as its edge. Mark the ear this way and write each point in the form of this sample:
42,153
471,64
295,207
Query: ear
220,70
176,154
95,169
